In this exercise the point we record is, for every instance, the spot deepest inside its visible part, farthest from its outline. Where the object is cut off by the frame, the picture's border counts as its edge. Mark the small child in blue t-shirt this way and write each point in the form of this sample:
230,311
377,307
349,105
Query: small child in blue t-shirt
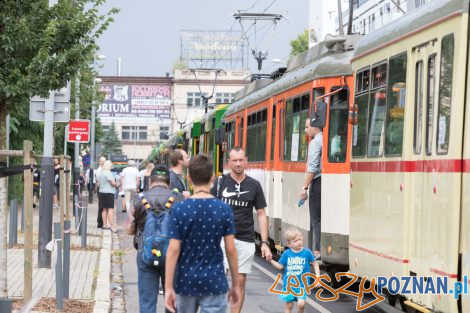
295,262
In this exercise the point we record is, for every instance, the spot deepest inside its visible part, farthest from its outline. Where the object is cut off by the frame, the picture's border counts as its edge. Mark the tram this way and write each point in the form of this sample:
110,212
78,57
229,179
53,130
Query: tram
268,120
410,181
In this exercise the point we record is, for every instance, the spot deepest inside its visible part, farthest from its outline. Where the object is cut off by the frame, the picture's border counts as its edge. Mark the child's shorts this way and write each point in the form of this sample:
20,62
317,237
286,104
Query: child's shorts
291,298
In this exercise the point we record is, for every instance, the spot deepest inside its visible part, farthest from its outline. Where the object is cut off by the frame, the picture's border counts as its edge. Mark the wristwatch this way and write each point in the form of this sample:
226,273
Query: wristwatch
265,242
305,188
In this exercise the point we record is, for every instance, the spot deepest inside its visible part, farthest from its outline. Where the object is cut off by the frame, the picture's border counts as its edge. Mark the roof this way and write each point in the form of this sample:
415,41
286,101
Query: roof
428,13
316,63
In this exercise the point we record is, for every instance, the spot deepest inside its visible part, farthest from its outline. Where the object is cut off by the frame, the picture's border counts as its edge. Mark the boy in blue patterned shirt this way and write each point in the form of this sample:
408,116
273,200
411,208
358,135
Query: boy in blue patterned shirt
295,262
194,254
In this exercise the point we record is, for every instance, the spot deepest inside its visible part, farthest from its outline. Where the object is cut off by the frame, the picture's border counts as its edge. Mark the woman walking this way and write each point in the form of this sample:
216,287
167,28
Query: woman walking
107,185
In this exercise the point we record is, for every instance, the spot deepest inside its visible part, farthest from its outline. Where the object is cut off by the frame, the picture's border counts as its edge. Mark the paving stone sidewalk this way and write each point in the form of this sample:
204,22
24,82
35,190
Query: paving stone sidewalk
89,268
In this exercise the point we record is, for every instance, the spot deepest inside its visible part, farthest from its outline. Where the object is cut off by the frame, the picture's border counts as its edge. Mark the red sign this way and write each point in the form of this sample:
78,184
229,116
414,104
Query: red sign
79,131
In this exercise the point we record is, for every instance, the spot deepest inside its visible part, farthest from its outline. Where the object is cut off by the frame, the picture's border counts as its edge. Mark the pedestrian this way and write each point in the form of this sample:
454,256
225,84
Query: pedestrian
90,181
36,185
56,186
295,261
145,176
130,182
314,129
179,160
99,218
106,195
243,193
195,276
148,278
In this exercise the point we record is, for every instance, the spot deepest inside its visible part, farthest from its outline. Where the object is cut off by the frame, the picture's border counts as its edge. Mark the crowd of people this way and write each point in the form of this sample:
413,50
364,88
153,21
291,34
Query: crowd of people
209,228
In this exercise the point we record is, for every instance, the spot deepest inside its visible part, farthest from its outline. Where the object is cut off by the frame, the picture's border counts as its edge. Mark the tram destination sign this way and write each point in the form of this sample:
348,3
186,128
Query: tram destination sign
79,131
136,101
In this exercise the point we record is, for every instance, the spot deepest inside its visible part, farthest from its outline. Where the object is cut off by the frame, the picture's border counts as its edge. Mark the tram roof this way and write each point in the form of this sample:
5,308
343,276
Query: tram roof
315,63
428,13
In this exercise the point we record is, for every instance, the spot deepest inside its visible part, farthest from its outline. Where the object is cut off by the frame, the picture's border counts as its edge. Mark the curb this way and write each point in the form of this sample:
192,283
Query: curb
102,292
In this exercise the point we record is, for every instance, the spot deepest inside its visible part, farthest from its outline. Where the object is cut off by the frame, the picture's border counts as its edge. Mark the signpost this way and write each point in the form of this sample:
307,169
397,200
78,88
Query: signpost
55,108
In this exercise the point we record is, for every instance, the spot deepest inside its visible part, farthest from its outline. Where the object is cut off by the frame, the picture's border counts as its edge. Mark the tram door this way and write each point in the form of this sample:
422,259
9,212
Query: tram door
275,176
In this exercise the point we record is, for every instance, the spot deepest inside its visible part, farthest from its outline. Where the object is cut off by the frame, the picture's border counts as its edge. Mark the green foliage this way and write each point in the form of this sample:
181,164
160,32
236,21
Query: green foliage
111,142
41,49
300,44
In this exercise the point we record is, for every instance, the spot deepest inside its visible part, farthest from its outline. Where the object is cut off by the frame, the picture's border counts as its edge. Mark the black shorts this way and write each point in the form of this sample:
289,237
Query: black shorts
107,200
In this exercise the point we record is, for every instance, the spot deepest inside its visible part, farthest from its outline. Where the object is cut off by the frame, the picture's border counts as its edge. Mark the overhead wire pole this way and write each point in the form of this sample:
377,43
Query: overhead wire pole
259,56
76,163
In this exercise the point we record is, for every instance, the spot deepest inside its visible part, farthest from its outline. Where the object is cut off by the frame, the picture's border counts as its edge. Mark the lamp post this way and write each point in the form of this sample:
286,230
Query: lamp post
93,115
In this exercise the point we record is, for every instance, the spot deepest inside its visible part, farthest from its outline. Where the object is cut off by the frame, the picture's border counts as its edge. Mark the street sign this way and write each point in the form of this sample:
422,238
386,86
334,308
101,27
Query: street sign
37,106
37,110
79,131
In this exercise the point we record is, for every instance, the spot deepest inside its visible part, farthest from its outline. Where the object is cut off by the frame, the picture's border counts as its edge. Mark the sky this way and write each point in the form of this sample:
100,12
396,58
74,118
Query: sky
146,33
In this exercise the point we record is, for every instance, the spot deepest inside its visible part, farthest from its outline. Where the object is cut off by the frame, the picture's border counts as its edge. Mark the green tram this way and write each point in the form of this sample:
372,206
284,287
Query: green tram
207,137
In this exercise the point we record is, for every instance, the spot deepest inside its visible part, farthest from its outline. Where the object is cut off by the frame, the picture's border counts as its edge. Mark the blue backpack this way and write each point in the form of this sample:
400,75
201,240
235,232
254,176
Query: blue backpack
154,242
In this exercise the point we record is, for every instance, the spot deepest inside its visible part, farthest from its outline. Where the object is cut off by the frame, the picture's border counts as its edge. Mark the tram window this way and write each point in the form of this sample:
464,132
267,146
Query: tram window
375,142
445,94
317,92
288,120
240,133
430,102
417,143
396,105
379,75
338,127
273,134
360,129
362,81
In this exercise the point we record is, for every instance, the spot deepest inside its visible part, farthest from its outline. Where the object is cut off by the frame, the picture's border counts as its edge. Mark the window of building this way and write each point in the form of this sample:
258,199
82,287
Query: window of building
134,133
361,101
338,127
225,97
445,94
164,132
194,98
396,105
430,102
105,128
377,102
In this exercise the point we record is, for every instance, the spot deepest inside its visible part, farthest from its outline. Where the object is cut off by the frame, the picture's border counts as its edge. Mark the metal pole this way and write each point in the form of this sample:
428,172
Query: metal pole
93,152
84,224
66,267
59,298
13,228
8,138
27,222
340,19
76,165
47,182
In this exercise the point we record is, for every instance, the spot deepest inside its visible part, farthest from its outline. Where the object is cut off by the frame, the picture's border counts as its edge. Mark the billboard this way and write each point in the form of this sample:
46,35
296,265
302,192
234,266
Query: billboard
135,101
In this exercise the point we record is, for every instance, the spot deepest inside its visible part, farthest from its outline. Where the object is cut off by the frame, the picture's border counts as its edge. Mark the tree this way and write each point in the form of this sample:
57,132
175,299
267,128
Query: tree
41,48
300,44
111,142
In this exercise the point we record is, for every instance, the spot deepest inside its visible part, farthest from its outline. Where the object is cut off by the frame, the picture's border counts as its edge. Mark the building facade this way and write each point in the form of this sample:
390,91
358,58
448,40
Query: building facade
187,103
140,108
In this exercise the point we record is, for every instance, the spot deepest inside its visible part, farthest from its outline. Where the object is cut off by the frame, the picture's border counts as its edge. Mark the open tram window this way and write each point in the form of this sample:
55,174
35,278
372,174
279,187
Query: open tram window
445,94
338,127
430,102
377,106
317,92
359,132
417,141
396,105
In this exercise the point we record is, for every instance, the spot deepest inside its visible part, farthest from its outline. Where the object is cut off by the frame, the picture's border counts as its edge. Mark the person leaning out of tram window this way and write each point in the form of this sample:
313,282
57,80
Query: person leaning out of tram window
107,189
314,129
